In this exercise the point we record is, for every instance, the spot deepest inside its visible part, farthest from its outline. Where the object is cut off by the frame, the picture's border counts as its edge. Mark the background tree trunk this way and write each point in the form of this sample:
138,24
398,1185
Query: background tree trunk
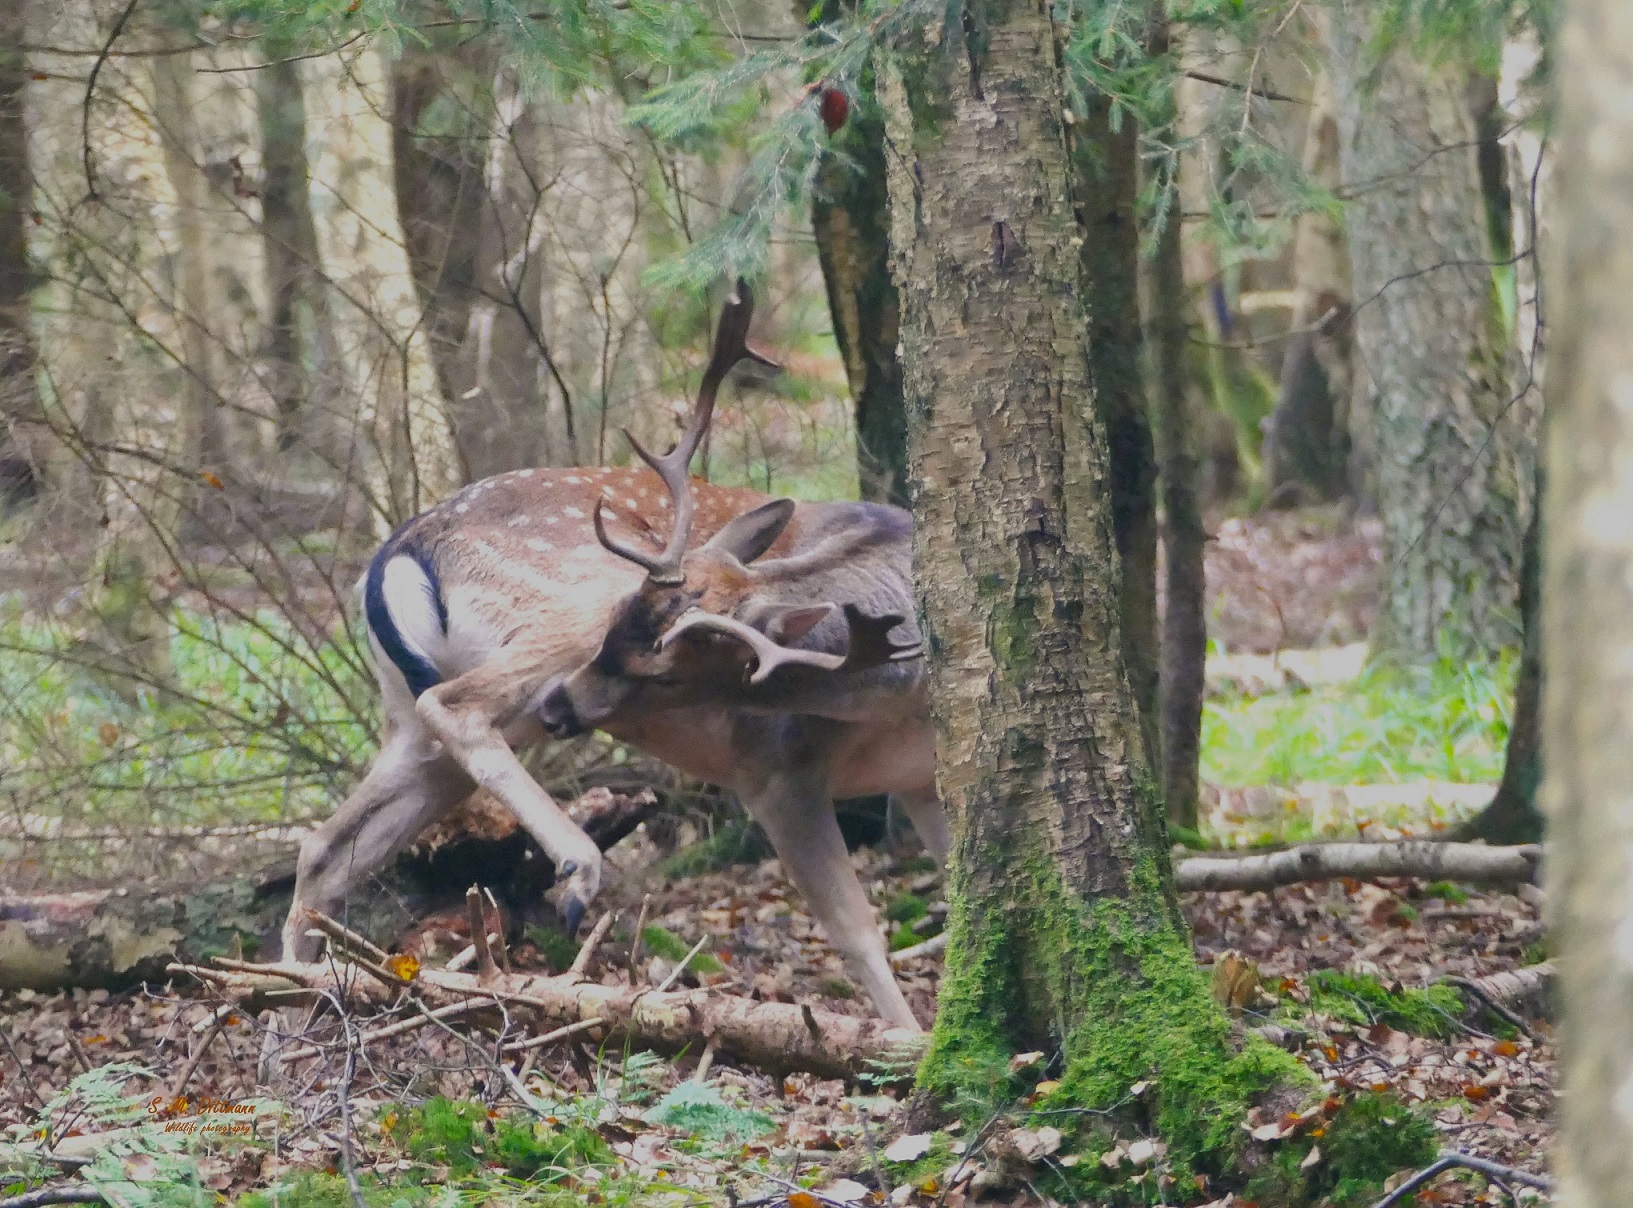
1587,609
1453,457
1306,444
291,244
404,441
850,217
1513,815
1106,168
22,438
1063,919
1184,621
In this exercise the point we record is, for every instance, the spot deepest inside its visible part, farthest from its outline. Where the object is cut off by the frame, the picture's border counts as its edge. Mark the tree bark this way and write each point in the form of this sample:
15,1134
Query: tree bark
1452,454
1064,925
1178,438
1513,815
291,243
1587,607
22,436
404,437
1106,168
1306,444
850,216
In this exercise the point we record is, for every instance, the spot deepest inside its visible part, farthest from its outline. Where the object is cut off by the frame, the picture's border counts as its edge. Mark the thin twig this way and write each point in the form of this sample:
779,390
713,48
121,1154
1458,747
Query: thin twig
341,934
640,926
581,960
463,1007
498,932
674,974
486,970
1450,1158
198,1055
538,1042
90,93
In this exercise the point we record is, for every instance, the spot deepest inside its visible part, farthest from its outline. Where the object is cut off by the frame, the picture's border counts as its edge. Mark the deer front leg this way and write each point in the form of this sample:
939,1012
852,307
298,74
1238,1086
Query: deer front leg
798,818
410,785
468,716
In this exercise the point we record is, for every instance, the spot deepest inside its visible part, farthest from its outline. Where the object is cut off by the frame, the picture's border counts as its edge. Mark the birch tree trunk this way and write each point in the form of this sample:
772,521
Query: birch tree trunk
1588,603
1453,455
1064,929
404,440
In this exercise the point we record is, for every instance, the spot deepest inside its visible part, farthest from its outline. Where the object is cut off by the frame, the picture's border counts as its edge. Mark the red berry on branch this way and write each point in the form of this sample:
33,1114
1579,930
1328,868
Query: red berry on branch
835,108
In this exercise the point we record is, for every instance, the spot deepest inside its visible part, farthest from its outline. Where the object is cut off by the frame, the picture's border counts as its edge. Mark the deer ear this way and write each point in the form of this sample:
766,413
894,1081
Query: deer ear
790,623
751,534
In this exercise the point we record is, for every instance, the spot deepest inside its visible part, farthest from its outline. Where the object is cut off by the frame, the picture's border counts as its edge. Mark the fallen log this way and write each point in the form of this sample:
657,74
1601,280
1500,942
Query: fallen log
773,1036
114,938
1421,858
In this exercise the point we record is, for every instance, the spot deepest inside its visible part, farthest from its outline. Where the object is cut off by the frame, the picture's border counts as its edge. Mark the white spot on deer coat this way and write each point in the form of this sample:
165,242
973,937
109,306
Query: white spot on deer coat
572,513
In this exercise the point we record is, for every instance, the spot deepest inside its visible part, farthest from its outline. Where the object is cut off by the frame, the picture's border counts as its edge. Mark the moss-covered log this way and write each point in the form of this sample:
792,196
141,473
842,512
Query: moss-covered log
1065,931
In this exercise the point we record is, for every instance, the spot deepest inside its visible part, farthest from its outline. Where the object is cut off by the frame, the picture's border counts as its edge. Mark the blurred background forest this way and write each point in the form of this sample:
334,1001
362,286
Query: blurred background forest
272,281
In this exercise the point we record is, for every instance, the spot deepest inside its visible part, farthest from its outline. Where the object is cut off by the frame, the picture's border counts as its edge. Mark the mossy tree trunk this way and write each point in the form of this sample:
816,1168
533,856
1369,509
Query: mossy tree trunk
850,216
1587,605
1452,452
1065,933
1106,168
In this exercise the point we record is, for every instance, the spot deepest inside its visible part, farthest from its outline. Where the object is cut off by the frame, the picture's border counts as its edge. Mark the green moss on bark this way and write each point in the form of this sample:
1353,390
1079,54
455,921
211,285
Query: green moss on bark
1121,1000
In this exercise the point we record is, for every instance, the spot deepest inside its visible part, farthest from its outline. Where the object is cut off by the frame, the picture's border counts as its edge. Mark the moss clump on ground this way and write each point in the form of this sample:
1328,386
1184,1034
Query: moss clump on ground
313,1189
1368,1139
1136,1009
465,1136
1435,1012
906,908
739,842
660,941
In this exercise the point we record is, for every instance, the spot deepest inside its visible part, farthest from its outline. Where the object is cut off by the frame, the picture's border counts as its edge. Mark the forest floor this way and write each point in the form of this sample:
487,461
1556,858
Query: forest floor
427,1119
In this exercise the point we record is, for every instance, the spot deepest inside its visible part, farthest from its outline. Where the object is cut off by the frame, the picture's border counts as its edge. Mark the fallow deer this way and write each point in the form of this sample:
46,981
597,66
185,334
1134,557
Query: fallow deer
477,608
842,714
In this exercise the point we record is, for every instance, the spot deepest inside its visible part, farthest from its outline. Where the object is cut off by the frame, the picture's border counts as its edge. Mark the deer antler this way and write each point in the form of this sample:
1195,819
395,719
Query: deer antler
869,644
730,346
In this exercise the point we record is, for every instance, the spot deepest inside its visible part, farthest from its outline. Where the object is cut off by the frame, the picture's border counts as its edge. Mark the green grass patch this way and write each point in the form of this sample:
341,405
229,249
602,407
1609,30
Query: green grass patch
1445,722
259,724
906,908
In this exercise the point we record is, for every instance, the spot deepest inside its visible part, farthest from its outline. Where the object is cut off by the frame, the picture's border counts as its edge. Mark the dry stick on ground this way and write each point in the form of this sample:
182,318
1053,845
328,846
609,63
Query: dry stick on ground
1500,992
586,951
485,967
55,1195
1450,1158
187,1072
772,1036
1422,858
464,1007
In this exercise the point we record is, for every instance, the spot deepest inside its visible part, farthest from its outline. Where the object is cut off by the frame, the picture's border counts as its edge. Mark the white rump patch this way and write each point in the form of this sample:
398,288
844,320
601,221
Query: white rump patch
411,604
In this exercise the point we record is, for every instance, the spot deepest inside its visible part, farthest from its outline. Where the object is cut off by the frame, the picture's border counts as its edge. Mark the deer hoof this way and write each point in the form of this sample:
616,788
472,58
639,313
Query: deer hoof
572,912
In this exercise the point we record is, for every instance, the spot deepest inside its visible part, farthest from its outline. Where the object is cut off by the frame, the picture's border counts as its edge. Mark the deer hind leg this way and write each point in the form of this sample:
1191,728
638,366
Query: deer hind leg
468,715
924,810
799,820
410,785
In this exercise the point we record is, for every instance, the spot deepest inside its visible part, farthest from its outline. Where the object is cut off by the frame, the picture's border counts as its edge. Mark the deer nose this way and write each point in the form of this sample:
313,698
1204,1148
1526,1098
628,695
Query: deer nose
557,715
